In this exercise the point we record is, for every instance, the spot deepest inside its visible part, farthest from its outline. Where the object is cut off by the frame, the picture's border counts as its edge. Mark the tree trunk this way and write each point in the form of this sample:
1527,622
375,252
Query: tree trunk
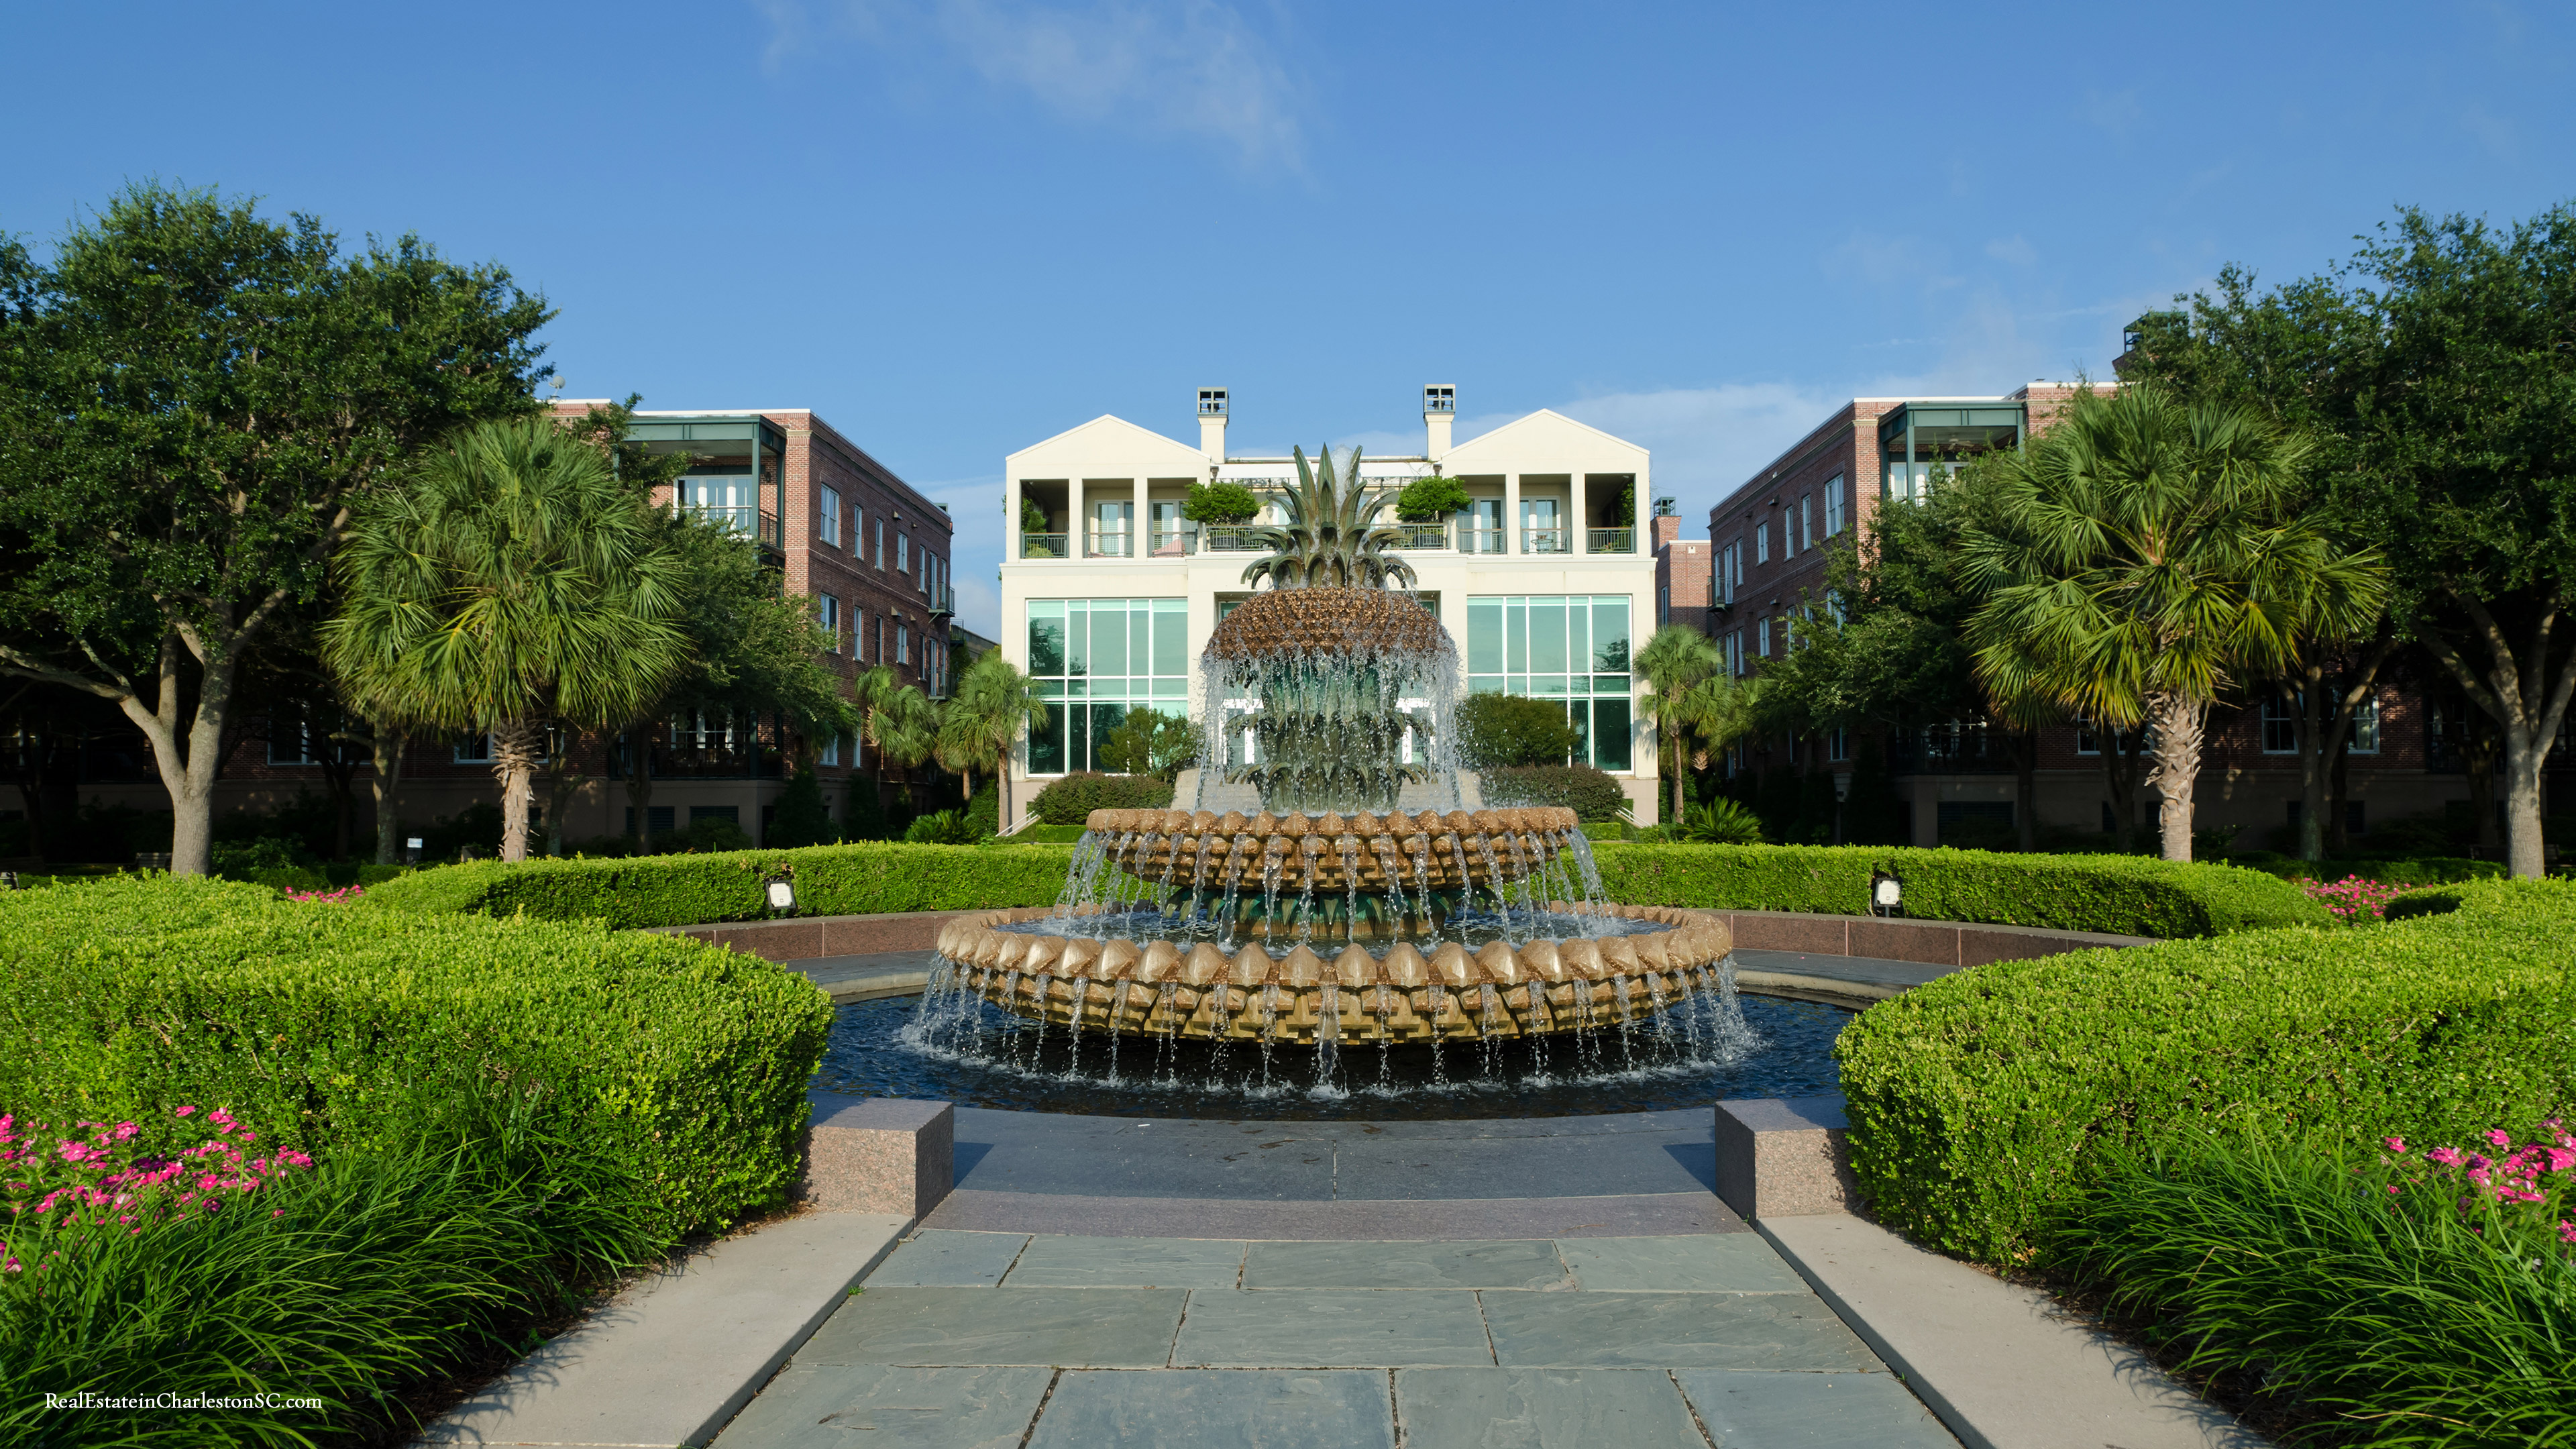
187,772
2180,722
2311,709
562,783
1676,817
514,760
386,748
2517,693
2025,746
2338,778
338,776
639,785
2122,750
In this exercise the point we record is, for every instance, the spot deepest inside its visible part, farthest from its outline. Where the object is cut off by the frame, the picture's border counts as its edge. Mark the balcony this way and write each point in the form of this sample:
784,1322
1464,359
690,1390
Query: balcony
1109,545
761,524
1544,540
1951,748
1045,545
1231,540
1422,535
1610,540
1480,540
1167,543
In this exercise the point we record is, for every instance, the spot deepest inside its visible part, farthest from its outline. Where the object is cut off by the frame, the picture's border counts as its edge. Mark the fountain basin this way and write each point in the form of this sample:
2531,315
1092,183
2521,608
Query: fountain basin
1452,993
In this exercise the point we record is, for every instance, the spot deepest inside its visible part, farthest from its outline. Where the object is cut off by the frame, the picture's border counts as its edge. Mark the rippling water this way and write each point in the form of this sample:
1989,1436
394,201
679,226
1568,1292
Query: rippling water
1783,1049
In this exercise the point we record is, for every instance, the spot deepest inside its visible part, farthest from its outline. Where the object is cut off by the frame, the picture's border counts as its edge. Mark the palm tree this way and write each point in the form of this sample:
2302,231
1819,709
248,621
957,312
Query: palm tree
2145,554
897,719
512,580
983,721
1331,539
1675,661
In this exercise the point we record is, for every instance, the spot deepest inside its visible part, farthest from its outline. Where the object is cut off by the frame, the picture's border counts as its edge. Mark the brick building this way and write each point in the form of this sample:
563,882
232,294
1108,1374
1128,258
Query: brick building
1767,540
1683,572
844,530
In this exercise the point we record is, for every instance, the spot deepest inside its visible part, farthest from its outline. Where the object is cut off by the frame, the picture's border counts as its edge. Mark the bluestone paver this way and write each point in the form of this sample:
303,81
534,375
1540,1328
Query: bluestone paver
1064,1262
1555,1408
942,1259
1065,1327
1218,1409
875,1404
1496,1263
1708,1262
1331,1328
1811,1411
1669,1330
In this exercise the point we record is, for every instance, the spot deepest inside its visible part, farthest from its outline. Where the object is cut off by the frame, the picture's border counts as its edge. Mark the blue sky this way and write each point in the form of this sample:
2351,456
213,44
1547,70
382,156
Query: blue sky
955,227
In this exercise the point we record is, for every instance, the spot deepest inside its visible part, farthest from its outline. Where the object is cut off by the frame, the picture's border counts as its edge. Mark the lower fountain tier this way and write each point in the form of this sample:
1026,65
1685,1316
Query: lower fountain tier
1156,987
1365,1016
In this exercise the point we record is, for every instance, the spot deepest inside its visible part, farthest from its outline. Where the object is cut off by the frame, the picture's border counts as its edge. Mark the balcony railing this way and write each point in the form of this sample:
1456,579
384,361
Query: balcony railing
1950,749
1543,540
1230,540
760,523
1110,545
1480,540
1610,540
1045,545
1422,535
1168,542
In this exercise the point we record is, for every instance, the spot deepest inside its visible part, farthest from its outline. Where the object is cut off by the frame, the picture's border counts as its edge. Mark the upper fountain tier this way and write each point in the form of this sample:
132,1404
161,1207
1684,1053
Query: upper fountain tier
1329,851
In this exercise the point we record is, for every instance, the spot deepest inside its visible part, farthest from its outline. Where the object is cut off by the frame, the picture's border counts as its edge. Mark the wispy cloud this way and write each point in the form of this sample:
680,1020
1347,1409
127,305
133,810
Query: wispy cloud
2015,249
1179,67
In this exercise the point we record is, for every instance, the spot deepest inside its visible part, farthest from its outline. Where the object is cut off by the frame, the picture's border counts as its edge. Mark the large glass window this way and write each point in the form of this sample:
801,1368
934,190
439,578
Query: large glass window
1569,647
1093,660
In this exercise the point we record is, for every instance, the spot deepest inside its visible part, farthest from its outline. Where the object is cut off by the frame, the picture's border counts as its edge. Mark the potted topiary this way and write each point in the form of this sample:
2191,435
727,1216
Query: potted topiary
1219,505
1429,500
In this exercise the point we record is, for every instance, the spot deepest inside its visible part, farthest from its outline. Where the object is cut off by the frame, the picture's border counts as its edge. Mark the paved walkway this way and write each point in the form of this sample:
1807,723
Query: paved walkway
1002,1339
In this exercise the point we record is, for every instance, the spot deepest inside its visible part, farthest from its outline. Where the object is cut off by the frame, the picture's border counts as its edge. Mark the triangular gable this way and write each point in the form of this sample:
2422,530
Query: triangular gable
1528,444
1109,436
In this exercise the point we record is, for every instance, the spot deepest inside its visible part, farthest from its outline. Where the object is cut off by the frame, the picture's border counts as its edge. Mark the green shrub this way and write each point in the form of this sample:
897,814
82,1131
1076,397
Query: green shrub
2387,870
984,812
682,1065
2296,1266
1045,835
1431,499
2120,894
324,877
1503,731
1982,1098
945,827
1070,800
1218,503
352,1284
1589,793
678,890
802,818
1720,822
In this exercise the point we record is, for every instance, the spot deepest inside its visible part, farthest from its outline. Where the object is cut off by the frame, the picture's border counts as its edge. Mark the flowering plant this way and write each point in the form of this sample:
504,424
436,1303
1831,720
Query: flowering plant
2525,1189
2353,899
102,1173
327,898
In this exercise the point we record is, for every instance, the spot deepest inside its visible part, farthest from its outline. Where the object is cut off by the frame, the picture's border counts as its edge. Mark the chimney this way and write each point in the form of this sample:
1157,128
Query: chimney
1212,423
1439,410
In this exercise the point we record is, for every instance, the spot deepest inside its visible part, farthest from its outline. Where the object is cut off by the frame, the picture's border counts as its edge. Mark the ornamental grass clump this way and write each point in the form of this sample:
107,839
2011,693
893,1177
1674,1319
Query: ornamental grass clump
2396,1302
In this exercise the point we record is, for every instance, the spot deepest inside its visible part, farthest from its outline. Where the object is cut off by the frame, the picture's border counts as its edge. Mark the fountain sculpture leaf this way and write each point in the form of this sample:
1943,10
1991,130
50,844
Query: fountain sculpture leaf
1331,539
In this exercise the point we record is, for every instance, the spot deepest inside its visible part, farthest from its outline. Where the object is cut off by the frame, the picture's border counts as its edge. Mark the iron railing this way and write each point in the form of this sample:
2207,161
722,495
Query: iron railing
1611,540
1543,540
1230,540
1110,545
1950,748
1480,540
1044,545
1422,535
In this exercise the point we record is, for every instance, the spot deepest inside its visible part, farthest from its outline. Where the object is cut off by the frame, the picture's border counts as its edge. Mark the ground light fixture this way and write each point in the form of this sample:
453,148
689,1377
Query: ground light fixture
782,895
1886,893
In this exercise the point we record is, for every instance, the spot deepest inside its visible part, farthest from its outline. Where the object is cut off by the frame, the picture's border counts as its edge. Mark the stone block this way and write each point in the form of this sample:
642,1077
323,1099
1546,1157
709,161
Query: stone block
1901,940
1781,1157
1767,931
879,1155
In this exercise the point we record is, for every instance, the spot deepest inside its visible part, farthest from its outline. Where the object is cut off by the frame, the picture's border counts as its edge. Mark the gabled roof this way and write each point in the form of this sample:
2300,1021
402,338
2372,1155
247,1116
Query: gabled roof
1517,435
1108,436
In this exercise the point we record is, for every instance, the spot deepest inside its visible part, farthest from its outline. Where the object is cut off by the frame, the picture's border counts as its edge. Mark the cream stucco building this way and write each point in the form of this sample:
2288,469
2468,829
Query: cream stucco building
1108,595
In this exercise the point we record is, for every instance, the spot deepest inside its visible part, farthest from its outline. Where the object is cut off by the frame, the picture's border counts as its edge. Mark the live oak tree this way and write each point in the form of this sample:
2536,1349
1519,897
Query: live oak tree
192,399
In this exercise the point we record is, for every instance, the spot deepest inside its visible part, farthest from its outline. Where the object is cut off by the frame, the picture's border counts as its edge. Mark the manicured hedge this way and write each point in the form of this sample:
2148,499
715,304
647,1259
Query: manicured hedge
2397,871
332,1026
1071,800
1979,1100
2120,894
677,890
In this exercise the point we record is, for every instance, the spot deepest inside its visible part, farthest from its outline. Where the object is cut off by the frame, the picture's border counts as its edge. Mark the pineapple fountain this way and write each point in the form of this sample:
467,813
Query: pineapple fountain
1332,917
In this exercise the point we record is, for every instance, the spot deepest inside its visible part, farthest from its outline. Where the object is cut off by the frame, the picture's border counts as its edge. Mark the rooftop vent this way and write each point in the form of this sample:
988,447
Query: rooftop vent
1211,402
1439,398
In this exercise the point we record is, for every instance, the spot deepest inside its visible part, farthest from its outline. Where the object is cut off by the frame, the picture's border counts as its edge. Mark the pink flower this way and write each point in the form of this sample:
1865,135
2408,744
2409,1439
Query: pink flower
2395,1144
184,1111
2567,1232
2447,1156
2499,1137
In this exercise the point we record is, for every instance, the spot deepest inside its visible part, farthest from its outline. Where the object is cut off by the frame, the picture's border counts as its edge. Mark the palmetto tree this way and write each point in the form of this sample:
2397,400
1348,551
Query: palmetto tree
993,704
1674,662
512,580
2143,556
898,721
1331,539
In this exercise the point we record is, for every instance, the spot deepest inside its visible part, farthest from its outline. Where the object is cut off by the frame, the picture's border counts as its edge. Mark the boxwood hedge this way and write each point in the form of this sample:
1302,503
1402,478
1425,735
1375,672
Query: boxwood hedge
679,890
2121,894
336,1027
1978,1101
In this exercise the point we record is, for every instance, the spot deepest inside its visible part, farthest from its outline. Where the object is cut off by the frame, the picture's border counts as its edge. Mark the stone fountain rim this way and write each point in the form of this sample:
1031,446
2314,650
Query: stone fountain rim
1514,820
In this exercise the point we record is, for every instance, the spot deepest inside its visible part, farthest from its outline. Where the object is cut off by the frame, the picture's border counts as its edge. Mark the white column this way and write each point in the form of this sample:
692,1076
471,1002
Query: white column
1579,535
1136,526
1512,538
1010,526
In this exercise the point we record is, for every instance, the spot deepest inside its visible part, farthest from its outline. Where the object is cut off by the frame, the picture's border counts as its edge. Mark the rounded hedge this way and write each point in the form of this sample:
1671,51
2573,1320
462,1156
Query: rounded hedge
1980,1100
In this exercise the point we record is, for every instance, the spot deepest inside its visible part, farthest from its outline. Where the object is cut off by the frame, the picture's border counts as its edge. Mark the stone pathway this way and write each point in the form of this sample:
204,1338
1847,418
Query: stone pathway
996,1340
